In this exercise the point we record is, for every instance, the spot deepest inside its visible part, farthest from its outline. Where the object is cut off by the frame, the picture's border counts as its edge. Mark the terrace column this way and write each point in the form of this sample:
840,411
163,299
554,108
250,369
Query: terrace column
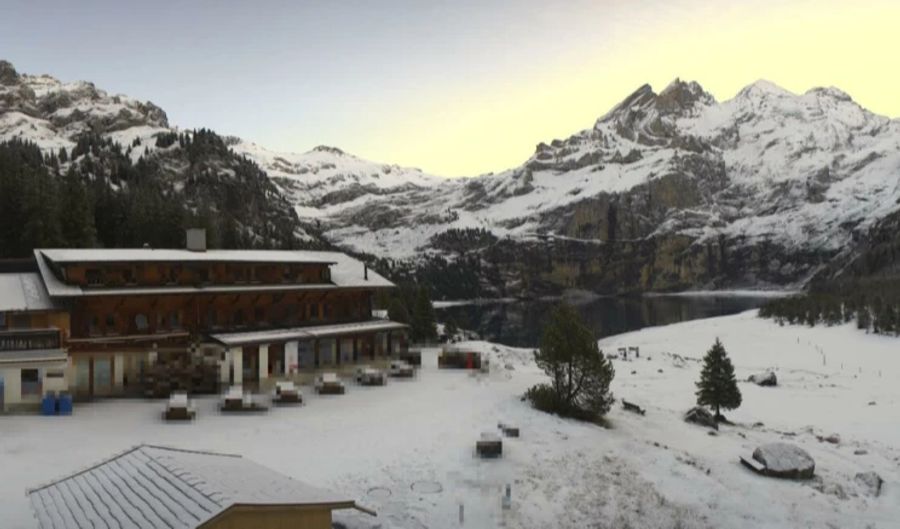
291,362
263,362
223,366
118,374
237,364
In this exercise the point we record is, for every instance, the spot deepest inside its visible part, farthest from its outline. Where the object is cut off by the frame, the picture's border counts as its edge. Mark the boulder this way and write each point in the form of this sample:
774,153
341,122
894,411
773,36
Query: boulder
701,416
871,482
783,460
764,379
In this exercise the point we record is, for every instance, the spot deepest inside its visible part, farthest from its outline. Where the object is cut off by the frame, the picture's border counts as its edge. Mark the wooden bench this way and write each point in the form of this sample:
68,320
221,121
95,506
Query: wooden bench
632,407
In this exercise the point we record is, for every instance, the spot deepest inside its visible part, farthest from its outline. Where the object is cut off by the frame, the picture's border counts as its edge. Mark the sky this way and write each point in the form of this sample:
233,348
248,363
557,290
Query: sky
457,87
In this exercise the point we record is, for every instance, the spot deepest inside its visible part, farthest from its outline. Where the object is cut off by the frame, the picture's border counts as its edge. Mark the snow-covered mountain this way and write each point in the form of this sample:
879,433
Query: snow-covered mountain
765,187
668,190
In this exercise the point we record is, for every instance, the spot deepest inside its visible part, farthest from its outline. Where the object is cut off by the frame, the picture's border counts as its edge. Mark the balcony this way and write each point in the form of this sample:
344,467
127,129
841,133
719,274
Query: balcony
29,339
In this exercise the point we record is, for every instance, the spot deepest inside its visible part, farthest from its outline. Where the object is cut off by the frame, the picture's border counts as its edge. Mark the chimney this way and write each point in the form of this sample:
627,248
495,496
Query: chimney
196,239
365,271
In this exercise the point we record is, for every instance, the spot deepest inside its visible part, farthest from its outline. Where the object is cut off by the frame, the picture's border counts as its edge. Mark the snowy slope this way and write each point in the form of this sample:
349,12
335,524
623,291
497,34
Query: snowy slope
406,449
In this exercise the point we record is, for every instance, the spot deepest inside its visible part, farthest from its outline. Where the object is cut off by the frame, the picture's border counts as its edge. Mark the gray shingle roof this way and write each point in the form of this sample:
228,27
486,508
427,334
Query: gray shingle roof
23,292
152,487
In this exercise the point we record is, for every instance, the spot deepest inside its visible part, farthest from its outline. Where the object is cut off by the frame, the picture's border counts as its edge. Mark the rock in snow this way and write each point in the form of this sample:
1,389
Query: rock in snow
764,379
701,416
783,460
871,482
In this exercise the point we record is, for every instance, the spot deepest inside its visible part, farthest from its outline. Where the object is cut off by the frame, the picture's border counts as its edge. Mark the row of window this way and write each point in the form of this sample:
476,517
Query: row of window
163,321
178,274
15,320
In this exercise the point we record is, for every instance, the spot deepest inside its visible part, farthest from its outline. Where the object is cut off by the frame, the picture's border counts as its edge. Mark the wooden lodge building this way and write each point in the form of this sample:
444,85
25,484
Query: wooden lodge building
149,321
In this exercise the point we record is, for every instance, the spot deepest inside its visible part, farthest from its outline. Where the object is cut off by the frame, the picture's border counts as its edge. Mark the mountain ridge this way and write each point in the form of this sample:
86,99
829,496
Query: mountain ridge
666,191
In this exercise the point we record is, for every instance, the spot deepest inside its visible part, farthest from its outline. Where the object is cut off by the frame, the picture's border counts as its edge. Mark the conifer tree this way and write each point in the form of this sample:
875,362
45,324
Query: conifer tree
717,387
397,311
76,214
423,325
580,375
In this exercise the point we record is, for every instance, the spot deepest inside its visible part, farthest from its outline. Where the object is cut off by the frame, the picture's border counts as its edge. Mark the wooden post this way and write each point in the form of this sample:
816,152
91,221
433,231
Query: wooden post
237,365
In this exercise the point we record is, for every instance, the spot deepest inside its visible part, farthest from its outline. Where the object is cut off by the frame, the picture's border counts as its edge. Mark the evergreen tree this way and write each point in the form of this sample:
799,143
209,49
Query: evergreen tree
580,375
76,214
450,328
863,320
717,387
397,311
423,324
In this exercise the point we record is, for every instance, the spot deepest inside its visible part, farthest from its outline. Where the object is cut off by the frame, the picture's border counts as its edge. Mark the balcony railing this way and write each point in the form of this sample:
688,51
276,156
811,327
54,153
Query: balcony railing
29,339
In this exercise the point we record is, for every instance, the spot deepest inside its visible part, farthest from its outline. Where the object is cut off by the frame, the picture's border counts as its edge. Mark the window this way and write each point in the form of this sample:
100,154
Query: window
94,277
20,321
94,325
2,320
238,317
31,382
140,322
110,323
128,276
325,274
212,319
174,320
259,314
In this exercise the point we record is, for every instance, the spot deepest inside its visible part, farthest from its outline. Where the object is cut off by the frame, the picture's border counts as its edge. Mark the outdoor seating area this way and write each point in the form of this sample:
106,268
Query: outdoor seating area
179,408
329,384
454,358
369,376
287,393
238,400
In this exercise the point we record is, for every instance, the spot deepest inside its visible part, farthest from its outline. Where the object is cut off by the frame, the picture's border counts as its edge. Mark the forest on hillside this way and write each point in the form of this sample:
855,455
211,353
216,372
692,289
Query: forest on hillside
95,195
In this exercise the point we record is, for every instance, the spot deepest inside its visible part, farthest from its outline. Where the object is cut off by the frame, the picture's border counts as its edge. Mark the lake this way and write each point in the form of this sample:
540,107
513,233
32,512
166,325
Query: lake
520,323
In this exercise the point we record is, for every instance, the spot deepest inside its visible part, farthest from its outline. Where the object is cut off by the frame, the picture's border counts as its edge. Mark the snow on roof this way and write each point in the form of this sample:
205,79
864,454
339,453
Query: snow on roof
346,272
305,333
158,487
117,255
23,292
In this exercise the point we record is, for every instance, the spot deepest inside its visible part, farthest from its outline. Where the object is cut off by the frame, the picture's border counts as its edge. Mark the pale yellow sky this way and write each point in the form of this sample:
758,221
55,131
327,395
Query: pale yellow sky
490,122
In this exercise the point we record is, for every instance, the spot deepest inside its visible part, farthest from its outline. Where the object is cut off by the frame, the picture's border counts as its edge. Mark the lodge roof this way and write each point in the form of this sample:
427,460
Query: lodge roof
23,292
160,487
305,333
346,272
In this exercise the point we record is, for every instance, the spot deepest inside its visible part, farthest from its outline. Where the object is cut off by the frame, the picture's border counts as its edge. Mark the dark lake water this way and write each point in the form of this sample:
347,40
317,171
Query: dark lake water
520,323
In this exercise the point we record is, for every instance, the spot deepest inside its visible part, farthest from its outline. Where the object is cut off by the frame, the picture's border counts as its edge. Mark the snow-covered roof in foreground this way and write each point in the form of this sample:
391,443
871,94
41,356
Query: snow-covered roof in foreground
346,272
23,292
306,333
157,487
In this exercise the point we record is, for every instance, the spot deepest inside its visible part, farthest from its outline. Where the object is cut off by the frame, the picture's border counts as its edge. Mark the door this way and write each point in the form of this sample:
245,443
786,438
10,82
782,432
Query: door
103,383
2,393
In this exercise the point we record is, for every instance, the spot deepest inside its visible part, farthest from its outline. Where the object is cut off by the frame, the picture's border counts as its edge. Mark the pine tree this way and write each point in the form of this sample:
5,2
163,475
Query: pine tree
580,375
450,328
717,387
76,214
397,311
423,324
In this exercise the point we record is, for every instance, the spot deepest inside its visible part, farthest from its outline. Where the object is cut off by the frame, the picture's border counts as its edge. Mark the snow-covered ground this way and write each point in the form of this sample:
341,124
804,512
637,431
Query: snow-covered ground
406,450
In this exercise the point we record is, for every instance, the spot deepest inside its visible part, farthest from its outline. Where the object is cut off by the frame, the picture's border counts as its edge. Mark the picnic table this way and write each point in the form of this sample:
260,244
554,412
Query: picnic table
489,445
179,408
287,393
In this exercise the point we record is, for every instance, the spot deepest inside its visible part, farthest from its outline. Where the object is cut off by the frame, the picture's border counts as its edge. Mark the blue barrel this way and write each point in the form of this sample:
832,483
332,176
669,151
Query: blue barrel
48,404
64,404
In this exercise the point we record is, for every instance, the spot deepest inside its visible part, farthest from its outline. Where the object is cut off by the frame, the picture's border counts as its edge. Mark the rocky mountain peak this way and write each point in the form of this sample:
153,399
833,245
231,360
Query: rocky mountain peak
329,149
681,96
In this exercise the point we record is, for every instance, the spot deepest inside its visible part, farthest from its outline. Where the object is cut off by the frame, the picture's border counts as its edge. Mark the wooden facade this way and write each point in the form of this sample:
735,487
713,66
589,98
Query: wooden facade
143,327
